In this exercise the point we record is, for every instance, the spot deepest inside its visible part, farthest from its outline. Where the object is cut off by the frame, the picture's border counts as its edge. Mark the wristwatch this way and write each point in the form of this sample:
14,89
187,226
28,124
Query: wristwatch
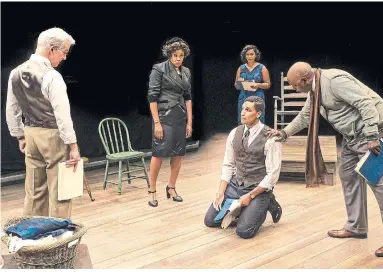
252,196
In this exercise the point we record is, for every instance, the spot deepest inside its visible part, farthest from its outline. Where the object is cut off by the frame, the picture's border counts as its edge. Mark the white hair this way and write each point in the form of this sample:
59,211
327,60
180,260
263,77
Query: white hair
54,37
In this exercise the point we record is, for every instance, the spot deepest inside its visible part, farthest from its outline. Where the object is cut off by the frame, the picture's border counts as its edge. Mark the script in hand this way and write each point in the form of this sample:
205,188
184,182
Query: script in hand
370,166
230,210
234,211
246,86
70,184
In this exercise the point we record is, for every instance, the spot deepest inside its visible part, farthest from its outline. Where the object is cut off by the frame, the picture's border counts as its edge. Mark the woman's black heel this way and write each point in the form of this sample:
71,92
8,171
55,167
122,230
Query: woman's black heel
176,198
154,201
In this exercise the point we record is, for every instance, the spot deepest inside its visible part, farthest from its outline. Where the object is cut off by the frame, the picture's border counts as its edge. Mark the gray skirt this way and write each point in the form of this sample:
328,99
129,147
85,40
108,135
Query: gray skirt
173,143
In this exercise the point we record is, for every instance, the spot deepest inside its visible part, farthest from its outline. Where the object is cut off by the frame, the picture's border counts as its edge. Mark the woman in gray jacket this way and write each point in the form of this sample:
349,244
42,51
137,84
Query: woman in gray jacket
169,96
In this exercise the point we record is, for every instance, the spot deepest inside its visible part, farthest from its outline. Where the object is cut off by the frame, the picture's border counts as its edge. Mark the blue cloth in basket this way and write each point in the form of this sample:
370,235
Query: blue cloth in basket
53,233
35,228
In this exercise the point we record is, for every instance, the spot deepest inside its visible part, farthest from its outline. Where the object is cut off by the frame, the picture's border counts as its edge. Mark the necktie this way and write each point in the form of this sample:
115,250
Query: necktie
245,139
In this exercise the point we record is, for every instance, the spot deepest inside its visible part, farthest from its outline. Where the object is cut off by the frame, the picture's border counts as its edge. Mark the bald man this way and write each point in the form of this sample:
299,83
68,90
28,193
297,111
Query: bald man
355,111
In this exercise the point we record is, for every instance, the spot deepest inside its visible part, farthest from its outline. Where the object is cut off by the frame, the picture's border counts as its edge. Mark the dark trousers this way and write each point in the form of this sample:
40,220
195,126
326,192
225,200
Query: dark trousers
251,217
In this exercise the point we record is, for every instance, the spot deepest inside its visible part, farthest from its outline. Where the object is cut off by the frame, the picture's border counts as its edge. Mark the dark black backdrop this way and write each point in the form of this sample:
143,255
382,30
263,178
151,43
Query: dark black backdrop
117,44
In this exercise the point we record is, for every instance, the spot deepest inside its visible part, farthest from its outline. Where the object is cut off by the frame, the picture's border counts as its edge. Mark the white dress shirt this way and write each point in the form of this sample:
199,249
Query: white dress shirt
272,150
54,89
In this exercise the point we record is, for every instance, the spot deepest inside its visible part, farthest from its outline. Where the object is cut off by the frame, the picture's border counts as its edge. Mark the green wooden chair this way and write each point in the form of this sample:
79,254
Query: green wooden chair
115,138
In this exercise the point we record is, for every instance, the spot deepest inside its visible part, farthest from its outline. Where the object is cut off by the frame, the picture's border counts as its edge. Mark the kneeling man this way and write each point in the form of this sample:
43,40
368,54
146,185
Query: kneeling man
250,170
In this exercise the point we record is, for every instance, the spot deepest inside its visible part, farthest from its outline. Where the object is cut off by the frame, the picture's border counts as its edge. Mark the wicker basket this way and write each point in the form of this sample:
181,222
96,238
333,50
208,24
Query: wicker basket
57,255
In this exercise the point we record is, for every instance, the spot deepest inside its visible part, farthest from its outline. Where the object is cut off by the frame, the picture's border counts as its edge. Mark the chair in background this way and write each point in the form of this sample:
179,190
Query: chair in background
114,135
291,102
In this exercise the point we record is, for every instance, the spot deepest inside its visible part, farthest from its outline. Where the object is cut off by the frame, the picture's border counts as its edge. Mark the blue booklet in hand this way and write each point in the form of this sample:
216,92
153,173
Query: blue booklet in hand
224,210
370,166
230,208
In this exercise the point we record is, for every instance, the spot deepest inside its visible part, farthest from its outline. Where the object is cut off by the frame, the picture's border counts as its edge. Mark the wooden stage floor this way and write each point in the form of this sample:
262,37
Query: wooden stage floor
124,232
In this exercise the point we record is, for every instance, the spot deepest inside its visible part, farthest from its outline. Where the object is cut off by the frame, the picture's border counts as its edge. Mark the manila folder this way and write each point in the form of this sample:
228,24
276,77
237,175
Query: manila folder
70,184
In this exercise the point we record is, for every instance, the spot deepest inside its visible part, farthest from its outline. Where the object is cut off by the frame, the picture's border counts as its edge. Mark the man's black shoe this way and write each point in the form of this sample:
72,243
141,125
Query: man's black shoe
275,209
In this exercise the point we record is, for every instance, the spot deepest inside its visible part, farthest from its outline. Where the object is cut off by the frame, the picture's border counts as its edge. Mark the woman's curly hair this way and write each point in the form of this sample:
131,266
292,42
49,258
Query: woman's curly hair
173,45
247,48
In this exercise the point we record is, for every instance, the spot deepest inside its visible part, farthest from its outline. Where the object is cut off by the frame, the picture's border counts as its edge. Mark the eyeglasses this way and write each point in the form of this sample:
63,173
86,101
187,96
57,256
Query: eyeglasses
64,52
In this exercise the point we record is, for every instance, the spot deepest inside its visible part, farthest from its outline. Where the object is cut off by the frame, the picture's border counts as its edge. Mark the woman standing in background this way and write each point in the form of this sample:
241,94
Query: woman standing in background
252,71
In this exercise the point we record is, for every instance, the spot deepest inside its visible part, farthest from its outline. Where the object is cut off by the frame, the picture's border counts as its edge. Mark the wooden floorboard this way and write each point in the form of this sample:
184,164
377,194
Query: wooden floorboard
124,232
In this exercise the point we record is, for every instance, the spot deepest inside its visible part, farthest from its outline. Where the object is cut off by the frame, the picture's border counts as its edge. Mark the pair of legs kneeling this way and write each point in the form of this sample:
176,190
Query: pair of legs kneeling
252,216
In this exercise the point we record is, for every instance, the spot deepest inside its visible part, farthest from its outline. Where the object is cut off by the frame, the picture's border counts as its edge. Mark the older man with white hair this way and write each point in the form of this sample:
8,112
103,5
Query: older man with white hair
38,92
